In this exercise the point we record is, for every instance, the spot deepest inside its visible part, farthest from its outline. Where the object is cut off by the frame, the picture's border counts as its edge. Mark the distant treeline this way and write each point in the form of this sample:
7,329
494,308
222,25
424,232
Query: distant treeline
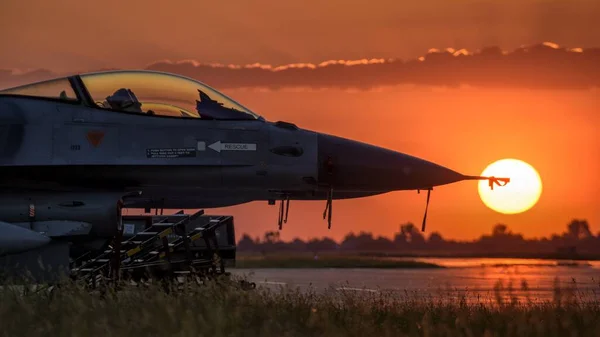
577,241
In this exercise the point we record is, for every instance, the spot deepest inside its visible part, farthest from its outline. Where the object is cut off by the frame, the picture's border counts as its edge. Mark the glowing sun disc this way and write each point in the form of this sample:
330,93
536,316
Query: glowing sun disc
519,195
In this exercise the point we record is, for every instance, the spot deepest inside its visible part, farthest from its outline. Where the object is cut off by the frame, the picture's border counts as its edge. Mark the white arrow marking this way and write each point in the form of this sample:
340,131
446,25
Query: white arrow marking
215,146
218,146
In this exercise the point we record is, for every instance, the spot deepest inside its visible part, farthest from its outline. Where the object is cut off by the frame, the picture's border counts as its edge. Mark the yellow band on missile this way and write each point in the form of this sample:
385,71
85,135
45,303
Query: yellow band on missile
133,251
165,232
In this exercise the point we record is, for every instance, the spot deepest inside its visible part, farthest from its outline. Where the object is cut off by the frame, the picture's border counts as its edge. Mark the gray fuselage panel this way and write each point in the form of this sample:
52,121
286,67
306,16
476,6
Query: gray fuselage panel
75,145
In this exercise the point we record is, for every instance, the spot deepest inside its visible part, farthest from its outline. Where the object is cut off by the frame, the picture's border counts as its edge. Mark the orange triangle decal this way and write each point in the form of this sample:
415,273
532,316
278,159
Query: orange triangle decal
95,137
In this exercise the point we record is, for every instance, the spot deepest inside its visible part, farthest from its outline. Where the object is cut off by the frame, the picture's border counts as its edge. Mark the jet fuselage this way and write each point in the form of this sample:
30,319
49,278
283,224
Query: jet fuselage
197,163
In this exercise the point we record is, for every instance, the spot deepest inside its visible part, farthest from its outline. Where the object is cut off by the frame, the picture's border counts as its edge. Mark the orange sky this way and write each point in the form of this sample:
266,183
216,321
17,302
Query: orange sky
555,131
464,129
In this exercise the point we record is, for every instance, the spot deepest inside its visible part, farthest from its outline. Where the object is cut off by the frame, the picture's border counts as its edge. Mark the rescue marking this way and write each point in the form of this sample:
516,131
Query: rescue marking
201,146
186,152
95,137
218,146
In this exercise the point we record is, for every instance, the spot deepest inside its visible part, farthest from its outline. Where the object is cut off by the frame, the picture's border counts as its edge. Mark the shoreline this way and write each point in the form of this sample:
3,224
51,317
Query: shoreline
245,262
367,254
380,261
534,256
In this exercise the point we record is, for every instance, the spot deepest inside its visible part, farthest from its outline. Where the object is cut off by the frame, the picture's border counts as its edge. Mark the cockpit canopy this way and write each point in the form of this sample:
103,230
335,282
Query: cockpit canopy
143,92
163,94
58,88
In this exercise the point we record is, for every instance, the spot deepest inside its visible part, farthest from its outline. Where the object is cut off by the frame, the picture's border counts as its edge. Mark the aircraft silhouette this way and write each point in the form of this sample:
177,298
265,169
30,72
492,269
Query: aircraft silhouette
76,151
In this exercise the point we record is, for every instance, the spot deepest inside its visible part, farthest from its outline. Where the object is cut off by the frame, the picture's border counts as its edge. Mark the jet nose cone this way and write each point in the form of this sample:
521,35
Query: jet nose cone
355,166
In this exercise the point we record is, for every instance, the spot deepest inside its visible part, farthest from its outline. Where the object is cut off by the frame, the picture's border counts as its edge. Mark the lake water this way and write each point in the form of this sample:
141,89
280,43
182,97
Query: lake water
476,278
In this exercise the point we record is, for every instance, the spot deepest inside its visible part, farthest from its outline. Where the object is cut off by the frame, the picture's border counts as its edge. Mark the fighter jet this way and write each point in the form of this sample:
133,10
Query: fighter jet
77,150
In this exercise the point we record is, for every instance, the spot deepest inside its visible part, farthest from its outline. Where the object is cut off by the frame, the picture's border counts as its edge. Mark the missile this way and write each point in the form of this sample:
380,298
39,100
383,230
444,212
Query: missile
15,239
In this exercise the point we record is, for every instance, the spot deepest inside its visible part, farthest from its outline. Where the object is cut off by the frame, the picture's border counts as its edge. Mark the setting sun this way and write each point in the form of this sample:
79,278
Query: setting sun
522,193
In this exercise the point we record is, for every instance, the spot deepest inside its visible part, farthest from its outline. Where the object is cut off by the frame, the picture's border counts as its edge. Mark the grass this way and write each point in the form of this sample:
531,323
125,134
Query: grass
220,309
325,261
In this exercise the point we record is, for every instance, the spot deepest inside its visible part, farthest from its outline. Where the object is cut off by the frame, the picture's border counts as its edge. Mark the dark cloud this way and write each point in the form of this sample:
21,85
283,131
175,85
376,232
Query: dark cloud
542,66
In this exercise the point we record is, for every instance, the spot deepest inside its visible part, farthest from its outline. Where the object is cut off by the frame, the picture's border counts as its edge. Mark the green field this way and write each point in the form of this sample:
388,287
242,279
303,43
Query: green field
324,261
218,309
